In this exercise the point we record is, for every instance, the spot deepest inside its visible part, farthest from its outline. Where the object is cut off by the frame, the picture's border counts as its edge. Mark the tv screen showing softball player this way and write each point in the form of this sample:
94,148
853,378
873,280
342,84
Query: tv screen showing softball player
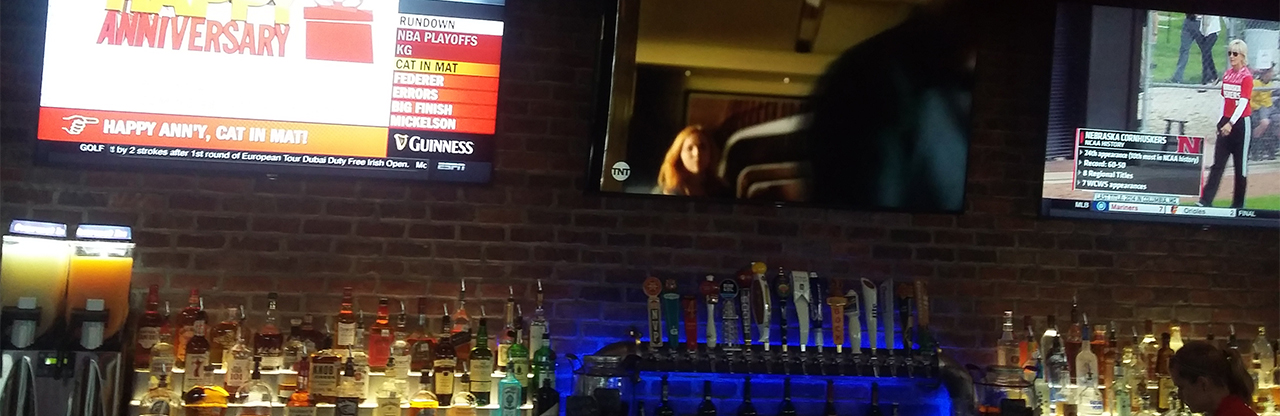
1164,116
404,89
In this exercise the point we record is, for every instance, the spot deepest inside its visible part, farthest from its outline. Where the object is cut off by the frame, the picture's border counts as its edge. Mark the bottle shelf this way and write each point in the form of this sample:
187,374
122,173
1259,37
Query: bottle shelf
367,404
812,361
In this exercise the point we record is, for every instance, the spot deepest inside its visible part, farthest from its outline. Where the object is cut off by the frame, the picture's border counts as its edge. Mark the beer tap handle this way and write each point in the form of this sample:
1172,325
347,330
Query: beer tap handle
729,292
800,294
690,306
871,308
762,307
711,295
653,288
837,303
817,292
783,286
671,311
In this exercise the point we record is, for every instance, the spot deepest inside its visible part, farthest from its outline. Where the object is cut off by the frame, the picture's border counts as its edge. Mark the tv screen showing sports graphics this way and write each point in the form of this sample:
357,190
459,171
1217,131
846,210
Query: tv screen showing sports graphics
854,104
1163,116
403,89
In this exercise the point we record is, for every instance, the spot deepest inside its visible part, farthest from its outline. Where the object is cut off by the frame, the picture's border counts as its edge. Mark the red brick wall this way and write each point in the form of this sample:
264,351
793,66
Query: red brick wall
238,237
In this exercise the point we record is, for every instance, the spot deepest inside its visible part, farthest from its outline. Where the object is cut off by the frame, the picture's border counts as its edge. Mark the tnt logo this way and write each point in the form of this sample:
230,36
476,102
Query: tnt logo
621,171
339,31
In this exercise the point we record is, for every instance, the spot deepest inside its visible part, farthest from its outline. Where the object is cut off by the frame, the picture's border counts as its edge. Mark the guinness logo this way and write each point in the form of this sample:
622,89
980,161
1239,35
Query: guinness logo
401,141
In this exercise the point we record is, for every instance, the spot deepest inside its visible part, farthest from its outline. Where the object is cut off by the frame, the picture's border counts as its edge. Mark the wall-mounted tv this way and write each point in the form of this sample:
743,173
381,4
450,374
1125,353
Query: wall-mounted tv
1163,116
839,103
403,89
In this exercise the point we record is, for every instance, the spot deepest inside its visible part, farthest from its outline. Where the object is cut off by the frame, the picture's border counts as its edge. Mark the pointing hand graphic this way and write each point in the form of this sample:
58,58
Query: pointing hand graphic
78,123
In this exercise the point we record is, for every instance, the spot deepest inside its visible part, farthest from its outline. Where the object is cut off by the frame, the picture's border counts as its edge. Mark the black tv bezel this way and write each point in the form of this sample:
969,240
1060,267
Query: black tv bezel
611,17
41,155
1262,9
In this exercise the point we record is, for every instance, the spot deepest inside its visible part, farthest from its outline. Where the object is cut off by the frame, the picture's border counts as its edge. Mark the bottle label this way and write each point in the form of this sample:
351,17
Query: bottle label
148,336
185,333
402,366
362,374
388,408
269,361
324,379
195,371
520,367
347,406
300,411
536,329
346,334
162,364
482,372
443,379
509,399
503,358
238,372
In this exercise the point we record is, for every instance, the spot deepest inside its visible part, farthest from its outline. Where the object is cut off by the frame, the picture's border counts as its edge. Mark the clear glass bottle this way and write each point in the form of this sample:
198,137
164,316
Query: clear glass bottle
1150,349
461,324
389,395
1073,340
294,344
1164,379
508,330
348,401
1059,375
163,358
1264,359
256,395
1122,401
1175,331
463,402
1007,347
161,400
538,325
239,365
401,348
1086,370
268,343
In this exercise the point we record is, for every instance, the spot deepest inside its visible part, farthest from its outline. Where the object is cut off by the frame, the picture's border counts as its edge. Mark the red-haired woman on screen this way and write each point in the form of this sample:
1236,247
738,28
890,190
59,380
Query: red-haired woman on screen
1233,128
1212,381
688,168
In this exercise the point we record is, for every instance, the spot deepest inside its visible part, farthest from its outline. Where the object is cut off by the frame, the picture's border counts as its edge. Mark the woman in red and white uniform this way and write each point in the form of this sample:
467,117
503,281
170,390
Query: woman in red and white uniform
1233,128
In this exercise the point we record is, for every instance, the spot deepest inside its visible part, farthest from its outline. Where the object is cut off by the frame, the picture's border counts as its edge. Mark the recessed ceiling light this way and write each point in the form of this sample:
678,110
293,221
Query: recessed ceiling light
688,73
786,80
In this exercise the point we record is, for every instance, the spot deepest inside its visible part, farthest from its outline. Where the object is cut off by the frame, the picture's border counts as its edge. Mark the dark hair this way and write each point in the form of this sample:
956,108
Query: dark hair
1224,367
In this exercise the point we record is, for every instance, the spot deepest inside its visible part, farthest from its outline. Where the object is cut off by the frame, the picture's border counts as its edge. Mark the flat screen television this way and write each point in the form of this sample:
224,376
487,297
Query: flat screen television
405,89
848,104
1159,115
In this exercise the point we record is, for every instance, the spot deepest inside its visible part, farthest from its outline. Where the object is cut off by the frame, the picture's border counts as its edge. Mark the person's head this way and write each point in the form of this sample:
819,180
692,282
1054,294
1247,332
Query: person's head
692,155
1237,51
1268,74
1206,374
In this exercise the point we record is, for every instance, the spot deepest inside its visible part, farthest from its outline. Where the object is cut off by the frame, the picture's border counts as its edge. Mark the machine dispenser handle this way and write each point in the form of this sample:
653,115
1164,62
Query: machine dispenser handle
21,382
89,402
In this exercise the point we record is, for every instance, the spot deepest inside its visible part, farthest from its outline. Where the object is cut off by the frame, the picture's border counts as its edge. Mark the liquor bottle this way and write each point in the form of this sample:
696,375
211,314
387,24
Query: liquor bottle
664,406
481,365
1046,338
401,348
162,359
1043,395
547,401
461,326
1073,339
508,330
1175,342
294,345
421,341
300,403
1121,398
544,362
874,409
1027,348
327,364
357,351
445,362
424,402
1149,350
239,363
187,319
197,359
1058,373
256,396
268,343
789,409
161,400
519,361
1089,399
744,409
463,402
1164,380
346,321
1264,359
389,396
830,408
224,334
398,374
149,327
538,325
380,337
1086,370
348,400
509,391
1110,360
1007,348
1135,372
707,407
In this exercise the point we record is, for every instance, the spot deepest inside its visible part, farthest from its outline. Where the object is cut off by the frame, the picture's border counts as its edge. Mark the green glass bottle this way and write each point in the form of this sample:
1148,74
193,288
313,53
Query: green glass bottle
544,363
482,366
518,362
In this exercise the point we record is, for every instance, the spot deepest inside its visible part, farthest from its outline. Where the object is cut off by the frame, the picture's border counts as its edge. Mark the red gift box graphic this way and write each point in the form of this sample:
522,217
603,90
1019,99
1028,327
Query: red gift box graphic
337,33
